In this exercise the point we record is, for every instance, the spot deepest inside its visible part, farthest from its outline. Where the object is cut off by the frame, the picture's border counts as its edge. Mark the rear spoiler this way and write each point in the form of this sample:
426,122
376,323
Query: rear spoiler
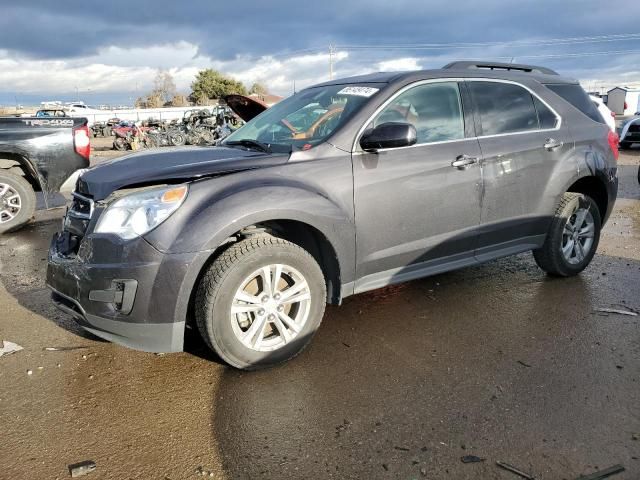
516,67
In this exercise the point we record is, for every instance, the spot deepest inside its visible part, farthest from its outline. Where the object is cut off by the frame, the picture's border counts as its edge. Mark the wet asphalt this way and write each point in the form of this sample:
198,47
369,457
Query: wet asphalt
497,361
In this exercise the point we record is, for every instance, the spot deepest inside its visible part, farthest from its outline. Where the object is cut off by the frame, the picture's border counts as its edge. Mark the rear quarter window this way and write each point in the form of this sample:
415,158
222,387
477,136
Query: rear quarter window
576,96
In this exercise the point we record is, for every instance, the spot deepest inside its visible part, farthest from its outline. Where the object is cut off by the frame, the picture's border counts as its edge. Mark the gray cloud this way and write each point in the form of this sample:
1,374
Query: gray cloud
234,34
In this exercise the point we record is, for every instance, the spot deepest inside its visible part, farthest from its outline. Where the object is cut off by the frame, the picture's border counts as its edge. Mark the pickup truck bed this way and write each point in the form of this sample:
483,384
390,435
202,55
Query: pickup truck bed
37,155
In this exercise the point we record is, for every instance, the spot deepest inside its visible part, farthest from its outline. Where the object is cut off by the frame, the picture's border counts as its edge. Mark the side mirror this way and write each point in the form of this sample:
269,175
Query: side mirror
389,135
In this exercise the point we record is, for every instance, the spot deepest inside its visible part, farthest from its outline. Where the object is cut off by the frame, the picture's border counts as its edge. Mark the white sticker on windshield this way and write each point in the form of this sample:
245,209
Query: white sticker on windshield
360,91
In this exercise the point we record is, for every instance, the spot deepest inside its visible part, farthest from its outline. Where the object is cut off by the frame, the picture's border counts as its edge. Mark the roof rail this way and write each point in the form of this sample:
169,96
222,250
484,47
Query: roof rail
499,66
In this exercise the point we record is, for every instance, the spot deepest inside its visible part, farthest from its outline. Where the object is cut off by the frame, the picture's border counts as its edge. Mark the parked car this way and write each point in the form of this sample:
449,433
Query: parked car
37,154
608,116
419,173
630,133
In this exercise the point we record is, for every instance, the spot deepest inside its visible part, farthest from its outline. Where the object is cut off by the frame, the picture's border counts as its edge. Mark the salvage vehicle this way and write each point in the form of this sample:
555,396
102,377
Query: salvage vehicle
37,154
630,133
419,173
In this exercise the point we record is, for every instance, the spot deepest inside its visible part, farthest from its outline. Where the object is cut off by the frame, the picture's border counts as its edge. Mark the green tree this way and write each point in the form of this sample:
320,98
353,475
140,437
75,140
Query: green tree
258,89
212,84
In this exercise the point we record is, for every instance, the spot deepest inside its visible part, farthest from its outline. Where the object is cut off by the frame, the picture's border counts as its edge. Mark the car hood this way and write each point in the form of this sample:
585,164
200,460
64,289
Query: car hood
170,164
245,107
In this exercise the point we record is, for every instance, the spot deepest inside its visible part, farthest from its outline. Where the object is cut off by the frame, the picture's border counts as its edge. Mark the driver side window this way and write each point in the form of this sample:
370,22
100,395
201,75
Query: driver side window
434,109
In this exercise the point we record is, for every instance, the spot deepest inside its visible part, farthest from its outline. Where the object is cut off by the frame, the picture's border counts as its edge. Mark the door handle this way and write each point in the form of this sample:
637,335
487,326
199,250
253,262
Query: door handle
463,161
551,144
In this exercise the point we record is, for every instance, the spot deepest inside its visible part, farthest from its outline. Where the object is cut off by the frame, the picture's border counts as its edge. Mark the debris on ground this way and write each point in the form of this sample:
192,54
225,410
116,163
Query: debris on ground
82,468
7,348
524,364
515,470
471,459
616,310
63,349
607,472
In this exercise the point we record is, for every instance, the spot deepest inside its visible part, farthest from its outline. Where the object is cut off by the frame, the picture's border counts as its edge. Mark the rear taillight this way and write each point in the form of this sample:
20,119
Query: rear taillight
613,143
82,141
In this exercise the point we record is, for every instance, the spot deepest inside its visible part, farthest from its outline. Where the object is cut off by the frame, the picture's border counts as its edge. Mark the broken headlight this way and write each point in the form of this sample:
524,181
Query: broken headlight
137,213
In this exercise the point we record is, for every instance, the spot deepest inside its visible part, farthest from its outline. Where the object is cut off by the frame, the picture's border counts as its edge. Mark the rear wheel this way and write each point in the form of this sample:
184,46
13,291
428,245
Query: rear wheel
120,144
260,302
177,138
17,201
573,236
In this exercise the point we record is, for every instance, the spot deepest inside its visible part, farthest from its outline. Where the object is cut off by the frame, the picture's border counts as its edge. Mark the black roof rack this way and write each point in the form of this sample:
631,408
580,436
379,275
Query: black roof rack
499,66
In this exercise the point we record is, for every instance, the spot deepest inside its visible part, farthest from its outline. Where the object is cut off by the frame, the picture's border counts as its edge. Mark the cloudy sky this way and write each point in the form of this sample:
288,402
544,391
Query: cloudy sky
111,52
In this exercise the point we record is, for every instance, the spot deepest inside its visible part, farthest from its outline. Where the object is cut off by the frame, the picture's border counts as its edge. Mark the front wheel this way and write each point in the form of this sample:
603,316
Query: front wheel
573,236
260,302
17,201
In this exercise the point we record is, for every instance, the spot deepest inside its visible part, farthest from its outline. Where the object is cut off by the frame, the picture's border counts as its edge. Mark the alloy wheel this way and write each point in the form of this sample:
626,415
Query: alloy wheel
10,203
271,307
578,235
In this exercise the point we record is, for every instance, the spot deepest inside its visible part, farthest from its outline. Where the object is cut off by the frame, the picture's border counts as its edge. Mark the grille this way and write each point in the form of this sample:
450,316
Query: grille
81,206
78,215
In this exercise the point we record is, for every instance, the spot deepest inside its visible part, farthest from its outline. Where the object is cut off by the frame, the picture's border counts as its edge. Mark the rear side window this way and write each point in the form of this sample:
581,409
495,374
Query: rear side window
546,117
576,96
504,107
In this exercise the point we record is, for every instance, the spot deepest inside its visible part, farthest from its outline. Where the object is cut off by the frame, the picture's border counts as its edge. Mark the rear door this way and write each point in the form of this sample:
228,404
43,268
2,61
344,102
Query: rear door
522,140
416,212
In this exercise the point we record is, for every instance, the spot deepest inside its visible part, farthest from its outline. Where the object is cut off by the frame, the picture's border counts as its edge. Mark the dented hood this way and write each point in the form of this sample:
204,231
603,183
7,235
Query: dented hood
170,164
245,107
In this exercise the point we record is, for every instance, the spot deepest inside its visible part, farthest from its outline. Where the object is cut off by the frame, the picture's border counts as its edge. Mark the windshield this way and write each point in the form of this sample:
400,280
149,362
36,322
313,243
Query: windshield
305,119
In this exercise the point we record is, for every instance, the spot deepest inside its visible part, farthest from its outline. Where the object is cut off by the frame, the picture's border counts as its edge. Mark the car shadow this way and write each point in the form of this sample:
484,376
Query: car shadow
402,382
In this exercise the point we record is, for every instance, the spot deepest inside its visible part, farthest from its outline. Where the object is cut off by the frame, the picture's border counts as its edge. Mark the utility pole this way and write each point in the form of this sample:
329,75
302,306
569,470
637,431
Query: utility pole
331,53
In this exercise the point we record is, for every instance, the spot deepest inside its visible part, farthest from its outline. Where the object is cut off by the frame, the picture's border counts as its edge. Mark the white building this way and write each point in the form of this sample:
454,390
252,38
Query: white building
620,97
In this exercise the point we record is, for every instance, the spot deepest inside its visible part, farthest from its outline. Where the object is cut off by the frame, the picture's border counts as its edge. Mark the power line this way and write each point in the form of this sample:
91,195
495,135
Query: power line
514,43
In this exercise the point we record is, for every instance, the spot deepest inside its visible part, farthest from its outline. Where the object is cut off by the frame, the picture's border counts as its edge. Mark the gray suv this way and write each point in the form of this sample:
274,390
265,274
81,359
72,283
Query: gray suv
344,187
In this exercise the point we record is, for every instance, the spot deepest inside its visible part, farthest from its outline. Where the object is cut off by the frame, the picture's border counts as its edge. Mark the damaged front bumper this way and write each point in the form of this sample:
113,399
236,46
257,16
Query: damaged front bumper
125,292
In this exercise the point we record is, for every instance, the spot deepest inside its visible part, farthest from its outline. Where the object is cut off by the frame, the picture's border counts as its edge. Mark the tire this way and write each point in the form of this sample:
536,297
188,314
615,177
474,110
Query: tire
120,144
206,137
218,289
17,202
577,253
177,139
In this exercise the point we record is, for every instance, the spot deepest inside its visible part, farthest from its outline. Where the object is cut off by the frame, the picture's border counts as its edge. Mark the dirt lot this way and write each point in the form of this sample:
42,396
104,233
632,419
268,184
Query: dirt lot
498,361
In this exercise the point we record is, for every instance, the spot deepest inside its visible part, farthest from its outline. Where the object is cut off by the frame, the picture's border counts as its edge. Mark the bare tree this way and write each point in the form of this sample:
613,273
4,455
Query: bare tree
164,86
179,100
258,89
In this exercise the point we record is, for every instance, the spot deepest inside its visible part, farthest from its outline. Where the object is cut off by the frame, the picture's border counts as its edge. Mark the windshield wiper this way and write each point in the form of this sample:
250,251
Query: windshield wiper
252,144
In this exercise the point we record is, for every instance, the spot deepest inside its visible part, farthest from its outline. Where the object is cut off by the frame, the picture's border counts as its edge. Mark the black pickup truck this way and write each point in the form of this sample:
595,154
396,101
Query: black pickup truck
37,155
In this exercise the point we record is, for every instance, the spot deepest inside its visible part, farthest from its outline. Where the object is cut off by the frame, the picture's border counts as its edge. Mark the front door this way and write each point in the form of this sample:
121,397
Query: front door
417,208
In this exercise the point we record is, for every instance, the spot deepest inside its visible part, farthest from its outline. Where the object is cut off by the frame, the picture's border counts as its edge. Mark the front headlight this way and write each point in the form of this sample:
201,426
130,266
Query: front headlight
138,213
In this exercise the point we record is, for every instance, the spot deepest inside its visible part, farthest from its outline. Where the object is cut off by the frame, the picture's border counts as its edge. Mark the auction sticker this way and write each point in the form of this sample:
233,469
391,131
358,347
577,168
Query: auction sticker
360,91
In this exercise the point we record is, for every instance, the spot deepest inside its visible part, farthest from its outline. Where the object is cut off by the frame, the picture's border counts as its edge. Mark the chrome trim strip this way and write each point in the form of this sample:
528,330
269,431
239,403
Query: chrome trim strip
356,150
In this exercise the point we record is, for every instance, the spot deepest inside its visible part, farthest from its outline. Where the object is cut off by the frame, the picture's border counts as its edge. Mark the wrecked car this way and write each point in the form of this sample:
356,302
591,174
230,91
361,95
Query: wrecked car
37,154
630,133
345,187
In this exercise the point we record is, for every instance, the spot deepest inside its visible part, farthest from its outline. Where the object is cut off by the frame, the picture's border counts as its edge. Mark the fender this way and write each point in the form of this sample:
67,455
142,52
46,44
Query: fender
210,216
14,157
